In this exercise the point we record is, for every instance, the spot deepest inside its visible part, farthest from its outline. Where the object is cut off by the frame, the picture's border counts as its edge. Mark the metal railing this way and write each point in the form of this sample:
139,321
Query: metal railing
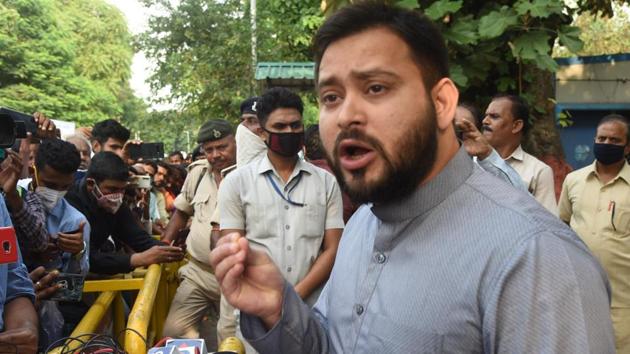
142,311
156,287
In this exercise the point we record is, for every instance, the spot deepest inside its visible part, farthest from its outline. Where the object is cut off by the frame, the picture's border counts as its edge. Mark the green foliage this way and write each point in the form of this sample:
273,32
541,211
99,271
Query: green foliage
463,31
203,52
496,22
175,129
285,29
599,35
539,8
439,9
67,58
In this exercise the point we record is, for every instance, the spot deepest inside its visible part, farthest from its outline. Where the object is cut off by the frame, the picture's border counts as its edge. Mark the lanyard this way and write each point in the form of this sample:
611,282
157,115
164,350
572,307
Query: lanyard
287,198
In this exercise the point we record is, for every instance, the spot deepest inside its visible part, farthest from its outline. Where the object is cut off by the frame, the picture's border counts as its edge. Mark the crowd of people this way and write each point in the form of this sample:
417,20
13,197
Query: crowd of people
454,238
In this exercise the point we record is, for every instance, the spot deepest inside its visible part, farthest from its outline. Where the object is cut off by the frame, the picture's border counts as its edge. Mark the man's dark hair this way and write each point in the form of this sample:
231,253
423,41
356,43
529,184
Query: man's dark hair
421,35
107,165
274,98
164,165
313,143
614,117
176,153
474,111
60,155
151,163
109,128
520,108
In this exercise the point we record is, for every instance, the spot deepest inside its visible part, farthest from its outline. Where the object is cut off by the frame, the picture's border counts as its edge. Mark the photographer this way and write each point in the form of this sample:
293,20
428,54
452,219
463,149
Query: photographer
160,189
137,196
41,128
157,223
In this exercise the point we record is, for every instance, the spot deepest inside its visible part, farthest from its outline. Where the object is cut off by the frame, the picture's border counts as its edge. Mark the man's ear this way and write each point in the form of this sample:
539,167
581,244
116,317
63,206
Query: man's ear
264,135
517,126
96,146
89,184
445,96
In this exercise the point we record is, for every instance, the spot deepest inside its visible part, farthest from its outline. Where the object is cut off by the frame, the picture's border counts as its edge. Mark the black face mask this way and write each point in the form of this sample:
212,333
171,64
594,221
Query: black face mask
285,144
608,154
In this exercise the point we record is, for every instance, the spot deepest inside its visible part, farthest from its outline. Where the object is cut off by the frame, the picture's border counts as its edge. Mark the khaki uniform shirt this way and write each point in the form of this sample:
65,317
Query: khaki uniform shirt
200,206
292,235
538,178
600,214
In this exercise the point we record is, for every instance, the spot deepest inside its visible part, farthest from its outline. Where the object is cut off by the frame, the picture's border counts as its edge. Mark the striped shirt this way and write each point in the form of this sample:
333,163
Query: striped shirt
30,224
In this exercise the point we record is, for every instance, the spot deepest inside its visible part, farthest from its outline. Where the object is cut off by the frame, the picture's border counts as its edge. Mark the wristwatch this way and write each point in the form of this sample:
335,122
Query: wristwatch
80,254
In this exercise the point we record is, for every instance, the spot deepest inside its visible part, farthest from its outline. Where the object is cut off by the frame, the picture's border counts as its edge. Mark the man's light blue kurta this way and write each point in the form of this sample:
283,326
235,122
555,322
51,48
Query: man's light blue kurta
466,264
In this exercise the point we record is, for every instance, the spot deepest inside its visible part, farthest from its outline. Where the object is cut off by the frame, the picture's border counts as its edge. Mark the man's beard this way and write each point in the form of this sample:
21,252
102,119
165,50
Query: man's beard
402,173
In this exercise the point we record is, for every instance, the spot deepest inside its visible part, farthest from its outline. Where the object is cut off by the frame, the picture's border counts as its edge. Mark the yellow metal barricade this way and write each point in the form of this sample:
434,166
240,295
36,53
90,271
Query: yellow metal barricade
140,316
90,321
156,286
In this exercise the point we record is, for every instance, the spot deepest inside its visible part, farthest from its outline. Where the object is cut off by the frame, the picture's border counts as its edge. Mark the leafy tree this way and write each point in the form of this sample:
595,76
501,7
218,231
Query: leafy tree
286,28
50,60
601,35
203,53
506,46
175,129
103,42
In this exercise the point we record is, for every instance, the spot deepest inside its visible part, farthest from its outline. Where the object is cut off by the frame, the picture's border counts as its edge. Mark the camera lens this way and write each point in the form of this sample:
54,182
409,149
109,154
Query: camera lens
7,131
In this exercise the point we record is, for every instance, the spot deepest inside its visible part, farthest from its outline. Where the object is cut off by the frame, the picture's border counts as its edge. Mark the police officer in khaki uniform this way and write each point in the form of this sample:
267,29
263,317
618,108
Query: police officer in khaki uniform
198,292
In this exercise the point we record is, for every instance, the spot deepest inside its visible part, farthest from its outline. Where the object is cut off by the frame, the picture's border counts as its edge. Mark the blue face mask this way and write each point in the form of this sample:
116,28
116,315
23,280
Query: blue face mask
608,154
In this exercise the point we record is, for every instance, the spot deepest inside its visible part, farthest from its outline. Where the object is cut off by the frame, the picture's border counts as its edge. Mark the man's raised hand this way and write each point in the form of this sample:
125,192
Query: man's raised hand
474,142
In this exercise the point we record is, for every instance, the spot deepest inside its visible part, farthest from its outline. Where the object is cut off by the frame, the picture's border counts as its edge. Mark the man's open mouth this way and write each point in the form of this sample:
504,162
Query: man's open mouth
354,154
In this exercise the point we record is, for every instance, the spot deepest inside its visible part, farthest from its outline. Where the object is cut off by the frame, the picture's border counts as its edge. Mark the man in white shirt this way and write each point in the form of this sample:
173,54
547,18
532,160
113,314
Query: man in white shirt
505,123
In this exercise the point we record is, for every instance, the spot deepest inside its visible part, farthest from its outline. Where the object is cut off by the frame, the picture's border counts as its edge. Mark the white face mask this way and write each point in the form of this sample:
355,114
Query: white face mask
49,197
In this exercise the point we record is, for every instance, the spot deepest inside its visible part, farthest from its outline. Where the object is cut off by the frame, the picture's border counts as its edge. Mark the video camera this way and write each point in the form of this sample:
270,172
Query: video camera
10,130
146,151
12,126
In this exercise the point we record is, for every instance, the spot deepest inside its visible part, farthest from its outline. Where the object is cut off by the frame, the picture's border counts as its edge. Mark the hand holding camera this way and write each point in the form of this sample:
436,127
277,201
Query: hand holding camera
10,170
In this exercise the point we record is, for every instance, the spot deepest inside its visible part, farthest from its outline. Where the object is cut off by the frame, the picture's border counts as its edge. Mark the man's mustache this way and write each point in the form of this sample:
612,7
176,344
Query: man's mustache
359,136
486,128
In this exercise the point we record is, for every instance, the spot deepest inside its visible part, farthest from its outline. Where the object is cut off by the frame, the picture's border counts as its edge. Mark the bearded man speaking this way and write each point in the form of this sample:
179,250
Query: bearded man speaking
443,257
